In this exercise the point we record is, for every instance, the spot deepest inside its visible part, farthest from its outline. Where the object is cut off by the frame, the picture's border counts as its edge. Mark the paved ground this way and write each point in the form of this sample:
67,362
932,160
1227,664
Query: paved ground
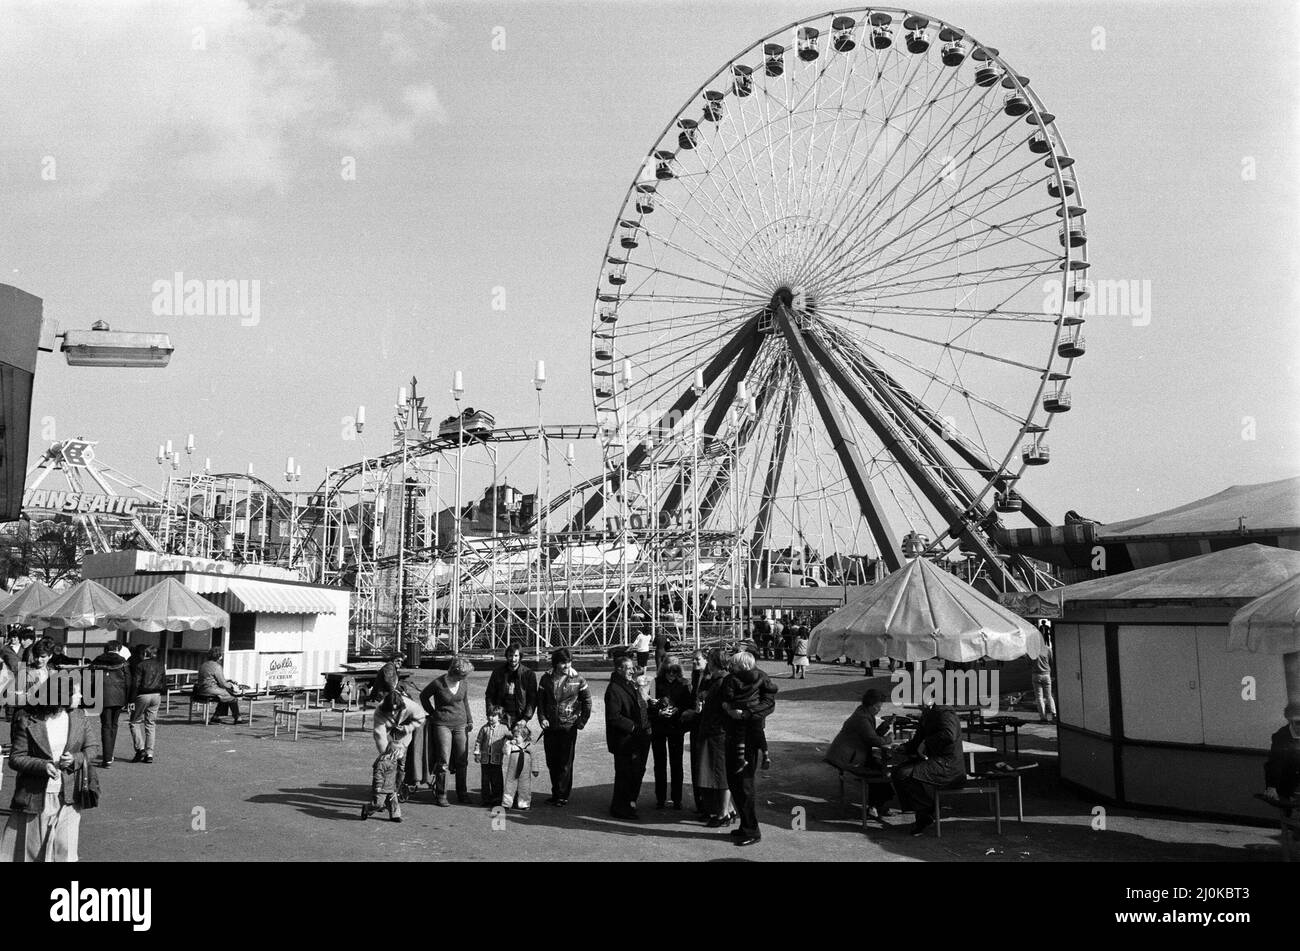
226,792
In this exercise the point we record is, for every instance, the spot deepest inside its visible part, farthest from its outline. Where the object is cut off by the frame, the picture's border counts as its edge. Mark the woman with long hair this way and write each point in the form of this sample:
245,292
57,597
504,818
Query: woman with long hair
446,699
709,744
54,747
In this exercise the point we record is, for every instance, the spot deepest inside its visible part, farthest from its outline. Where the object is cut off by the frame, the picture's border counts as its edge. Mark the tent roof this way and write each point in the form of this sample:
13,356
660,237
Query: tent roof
1271,623
1240,573
168,606
18,609
84,605
1267,506
922,612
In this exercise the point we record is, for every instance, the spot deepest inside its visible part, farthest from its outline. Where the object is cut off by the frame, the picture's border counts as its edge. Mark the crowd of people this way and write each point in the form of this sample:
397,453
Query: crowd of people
721,709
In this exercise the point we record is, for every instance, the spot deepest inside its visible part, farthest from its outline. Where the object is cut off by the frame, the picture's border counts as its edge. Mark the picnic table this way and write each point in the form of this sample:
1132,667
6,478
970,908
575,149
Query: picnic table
177,680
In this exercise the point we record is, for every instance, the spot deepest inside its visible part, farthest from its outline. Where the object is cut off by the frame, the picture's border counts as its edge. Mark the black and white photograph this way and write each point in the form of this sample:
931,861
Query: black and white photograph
639,431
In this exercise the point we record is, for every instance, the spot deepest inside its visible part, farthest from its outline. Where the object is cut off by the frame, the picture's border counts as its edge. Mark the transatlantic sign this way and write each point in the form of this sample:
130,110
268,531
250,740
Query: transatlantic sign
50,500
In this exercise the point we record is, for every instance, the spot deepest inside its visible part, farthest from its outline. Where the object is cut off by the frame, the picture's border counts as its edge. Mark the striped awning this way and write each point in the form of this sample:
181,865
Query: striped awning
268,597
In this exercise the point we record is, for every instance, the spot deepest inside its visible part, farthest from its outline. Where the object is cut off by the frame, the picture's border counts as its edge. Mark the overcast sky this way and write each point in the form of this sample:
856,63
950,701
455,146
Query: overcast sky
216,139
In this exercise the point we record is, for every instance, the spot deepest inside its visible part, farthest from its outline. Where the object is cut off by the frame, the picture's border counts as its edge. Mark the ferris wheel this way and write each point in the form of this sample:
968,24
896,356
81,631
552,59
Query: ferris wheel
852,267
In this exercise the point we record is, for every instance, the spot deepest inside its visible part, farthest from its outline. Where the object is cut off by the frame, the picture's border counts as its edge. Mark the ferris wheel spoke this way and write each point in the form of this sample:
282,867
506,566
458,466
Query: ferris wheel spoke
659,324
841,225
710,239
979,242
863,213
1043,266
954,313
867,213
931,375
747,279
950,209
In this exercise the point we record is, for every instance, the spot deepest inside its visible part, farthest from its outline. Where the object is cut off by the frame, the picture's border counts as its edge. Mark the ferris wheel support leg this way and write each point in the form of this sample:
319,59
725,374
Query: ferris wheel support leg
774,468
909,456
717,414
847,450
935,423
747,334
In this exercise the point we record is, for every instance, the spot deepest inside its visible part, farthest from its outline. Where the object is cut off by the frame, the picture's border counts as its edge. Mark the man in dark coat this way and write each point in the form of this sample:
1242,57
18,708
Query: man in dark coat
857,749
513,688
112,695
941,763
627,734
1282,769
12,653
746,723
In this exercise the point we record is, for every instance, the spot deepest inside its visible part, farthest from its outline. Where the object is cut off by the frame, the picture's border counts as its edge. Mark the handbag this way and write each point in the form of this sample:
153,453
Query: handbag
85,793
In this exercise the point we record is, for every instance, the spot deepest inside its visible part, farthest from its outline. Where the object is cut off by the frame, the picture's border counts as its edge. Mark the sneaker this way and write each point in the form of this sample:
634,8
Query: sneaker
366,809
148,759
139,756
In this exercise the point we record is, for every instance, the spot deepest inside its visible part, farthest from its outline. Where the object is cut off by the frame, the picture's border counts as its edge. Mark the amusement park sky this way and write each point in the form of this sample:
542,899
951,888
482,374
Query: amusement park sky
216,139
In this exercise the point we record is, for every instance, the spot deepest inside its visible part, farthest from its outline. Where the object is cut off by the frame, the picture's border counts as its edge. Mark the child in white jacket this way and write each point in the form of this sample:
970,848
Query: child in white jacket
518,769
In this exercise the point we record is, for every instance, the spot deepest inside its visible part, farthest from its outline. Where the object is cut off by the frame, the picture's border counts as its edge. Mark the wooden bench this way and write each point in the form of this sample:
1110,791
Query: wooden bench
207,705
865,779
290,715
990,790
1002,725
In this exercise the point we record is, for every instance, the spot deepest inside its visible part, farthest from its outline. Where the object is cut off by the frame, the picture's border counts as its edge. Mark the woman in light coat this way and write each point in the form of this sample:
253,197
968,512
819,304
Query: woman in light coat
52,746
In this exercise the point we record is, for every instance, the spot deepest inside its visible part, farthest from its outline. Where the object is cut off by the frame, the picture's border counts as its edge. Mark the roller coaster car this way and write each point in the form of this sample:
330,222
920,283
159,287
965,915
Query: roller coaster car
476,424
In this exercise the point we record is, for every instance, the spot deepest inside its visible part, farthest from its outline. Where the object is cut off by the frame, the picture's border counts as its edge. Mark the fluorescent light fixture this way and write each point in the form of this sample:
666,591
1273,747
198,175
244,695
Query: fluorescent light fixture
101,347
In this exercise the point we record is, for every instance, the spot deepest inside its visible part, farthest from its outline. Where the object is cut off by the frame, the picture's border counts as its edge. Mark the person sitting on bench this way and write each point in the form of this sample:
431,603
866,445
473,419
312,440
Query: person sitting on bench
1282,769
938,745
856,749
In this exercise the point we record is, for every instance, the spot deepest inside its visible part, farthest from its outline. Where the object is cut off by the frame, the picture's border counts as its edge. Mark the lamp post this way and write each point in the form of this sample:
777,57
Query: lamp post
291,475
404,408
457,392
492,579
628,376
539,381
569,460
248,514
189,489
697,431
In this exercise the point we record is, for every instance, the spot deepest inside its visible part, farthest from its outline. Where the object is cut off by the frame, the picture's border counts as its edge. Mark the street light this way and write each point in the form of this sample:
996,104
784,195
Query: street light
292,474
102,347
539,381
457,391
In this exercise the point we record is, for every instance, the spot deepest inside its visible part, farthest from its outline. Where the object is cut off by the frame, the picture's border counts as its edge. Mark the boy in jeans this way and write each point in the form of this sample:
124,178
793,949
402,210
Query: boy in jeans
489,751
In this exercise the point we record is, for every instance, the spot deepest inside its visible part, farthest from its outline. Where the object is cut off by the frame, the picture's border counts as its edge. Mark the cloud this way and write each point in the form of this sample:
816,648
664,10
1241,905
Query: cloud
217,91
